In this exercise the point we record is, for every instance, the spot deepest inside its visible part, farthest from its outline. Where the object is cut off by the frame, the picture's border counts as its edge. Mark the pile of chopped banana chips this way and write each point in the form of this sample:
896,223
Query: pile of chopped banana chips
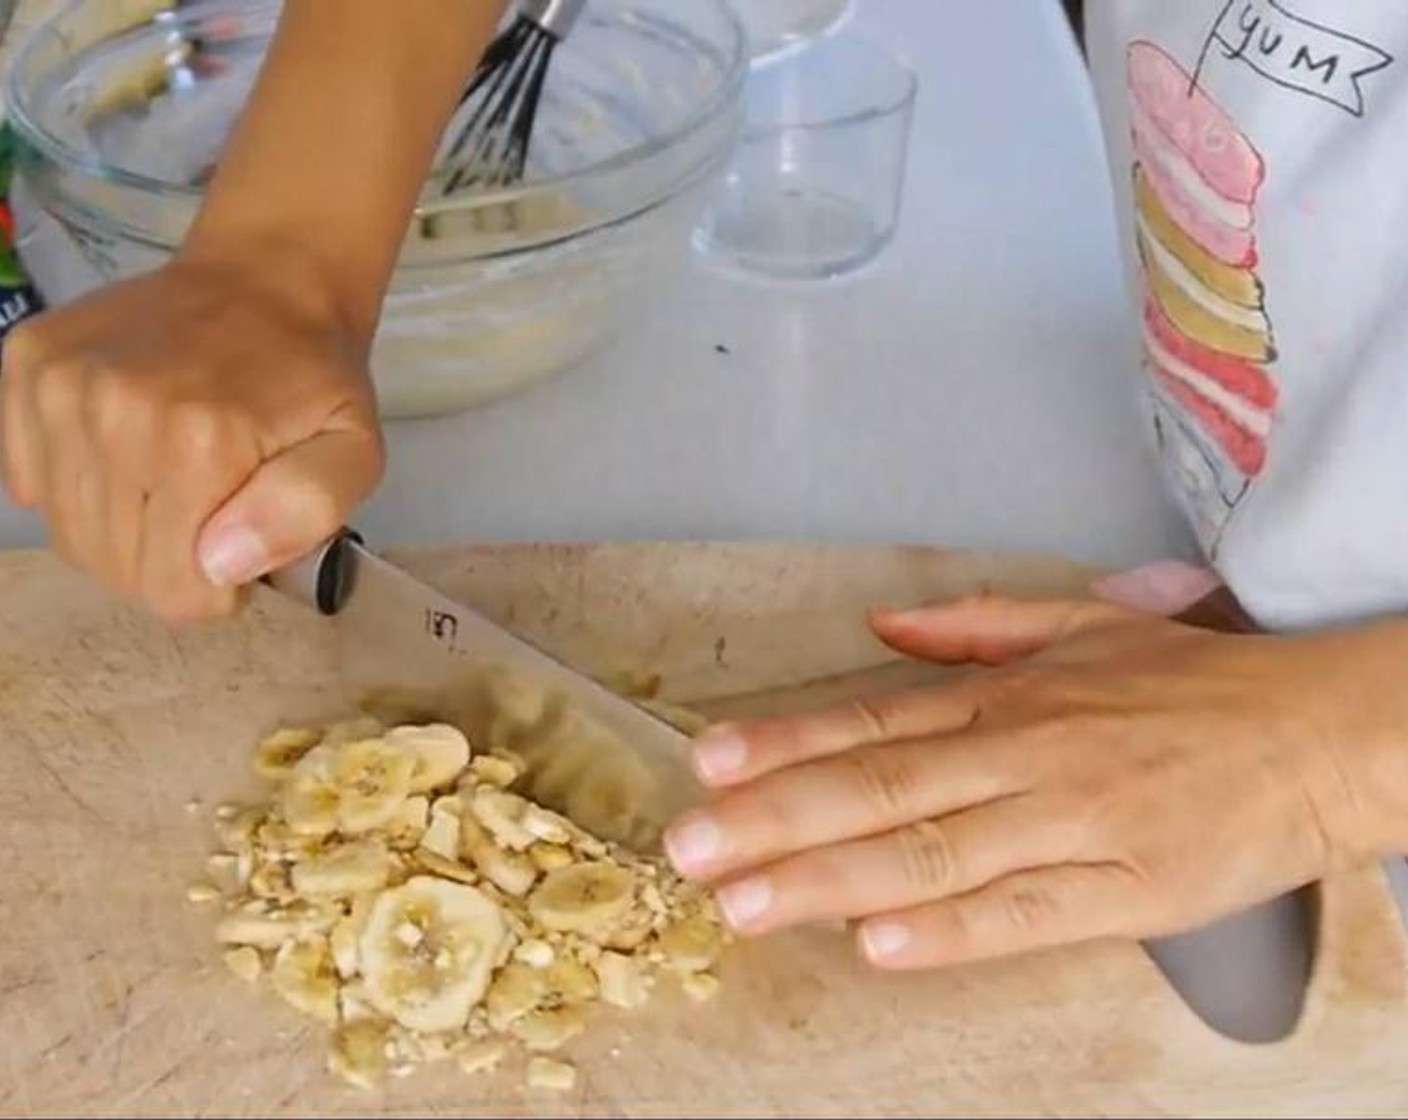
395,886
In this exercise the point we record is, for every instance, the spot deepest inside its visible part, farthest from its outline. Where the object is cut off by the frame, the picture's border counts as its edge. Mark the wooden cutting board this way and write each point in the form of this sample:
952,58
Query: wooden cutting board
113,1002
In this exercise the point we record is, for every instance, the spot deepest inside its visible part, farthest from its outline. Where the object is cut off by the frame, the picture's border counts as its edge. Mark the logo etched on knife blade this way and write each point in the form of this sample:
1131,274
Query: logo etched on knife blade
443,626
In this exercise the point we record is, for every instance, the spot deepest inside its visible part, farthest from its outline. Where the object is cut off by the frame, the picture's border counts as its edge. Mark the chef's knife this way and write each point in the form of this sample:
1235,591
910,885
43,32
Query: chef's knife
396,634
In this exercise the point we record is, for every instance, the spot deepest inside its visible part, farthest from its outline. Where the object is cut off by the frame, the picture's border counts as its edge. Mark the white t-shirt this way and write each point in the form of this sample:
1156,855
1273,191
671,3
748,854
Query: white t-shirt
1260,155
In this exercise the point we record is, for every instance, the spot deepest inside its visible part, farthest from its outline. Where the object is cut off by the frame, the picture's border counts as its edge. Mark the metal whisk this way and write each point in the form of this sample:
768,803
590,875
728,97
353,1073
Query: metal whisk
491,148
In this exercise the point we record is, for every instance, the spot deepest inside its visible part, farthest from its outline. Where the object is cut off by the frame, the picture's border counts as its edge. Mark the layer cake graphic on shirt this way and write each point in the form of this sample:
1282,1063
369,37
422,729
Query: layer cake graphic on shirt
1207,337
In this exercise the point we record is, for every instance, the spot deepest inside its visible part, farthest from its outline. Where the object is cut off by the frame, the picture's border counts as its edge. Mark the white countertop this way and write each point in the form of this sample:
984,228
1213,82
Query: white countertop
973,387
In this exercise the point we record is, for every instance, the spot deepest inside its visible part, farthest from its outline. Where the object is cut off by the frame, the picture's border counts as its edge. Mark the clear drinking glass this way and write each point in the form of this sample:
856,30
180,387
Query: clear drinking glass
773,24
815,187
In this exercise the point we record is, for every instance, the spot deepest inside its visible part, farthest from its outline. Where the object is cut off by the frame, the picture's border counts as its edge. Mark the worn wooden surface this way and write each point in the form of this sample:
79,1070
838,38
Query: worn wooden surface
112,999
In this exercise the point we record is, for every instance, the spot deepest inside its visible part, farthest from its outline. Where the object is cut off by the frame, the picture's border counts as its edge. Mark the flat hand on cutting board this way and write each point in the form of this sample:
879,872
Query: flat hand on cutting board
184,432
1115,774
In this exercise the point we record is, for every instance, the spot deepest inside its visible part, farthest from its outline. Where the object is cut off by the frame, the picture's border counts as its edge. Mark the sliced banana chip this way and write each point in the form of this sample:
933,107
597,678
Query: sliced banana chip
584,898
359,1054
269,930
572,982
353,1005
349,787
516,990
556,1077
443,835
549,1028
303,974
428,952
345,939
441,752
271,881
502,813
235,827
545,825
624,983
692,944
451,869
200,892
630,933
550,857
700,987
534,953
277,754
408,824
495,770
244,962
512,872
351,868
481,1055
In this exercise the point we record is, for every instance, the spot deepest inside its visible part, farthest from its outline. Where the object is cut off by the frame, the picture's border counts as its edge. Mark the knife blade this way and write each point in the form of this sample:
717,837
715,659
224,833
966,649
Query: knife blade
611,765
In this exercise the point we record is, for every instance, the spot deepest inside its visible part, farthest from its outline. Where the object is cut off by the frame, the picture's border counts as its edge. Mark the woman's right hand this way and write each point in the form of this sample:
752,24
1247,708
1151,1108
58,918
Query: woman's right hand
188,431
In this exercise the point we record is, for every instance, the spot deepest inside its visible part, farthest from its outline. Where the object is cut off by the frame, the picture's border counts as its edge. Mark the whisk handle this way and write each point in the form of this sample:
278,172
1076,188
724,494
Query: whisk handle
556,17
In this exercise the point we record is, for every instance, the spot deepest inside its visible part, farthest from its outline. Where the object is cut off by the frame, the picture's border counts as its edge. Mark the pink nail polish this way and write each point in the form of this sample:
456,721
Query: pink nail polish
744,903
883,940
719,755
694,843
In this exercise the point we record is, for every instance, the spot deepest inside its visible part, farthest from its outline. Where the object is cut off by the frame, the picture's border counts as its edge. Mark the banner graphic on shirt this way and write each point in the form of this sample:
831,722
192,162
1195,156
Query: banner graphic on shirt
1208,340
1297,53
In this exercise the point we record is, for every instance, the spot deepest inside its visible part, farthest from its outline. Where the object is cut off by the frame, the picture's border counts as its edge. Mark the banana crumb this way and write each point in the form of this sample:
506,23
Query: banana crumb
701,987
554,1076
202,892
244,962
481,1055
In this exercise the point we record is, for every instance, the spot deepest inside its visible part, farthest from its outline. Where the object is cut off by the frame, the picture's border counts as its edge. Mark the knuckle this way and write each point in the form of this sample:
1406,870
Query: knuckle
22,346
58,392
877,715
1012,683
114,402
888,780
1031,909
929,862
196,429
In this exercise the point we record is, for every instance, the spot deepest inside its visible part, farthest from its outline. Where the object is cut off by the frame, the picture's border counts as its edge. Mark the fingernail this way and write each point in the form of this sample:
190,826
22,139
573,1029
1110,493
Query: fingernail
719,754
744,903
694,843
233,555
1166,587
884,939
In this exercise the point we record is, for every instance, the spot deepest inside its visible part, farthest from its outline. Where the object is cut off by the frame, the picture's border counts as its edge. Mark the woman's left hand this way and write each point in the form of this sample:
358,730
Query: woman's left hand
1116,774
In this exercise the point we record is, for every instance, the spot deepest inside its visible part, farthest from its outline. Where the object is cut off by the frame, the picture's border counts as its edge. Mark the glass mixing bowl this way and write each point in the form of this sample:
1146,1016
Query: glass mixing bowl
120,120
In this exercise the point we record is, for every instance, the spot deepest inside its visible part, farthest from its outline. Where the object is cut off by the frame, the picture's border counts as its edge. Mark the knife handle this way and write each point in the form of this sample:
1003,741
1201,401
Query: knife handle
323,578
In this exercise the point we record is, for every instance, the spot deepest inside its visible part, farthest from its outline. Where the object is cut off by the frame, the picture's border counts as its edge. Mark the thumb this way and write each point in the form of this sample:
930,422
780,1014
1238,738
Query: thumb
288,506
989,629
